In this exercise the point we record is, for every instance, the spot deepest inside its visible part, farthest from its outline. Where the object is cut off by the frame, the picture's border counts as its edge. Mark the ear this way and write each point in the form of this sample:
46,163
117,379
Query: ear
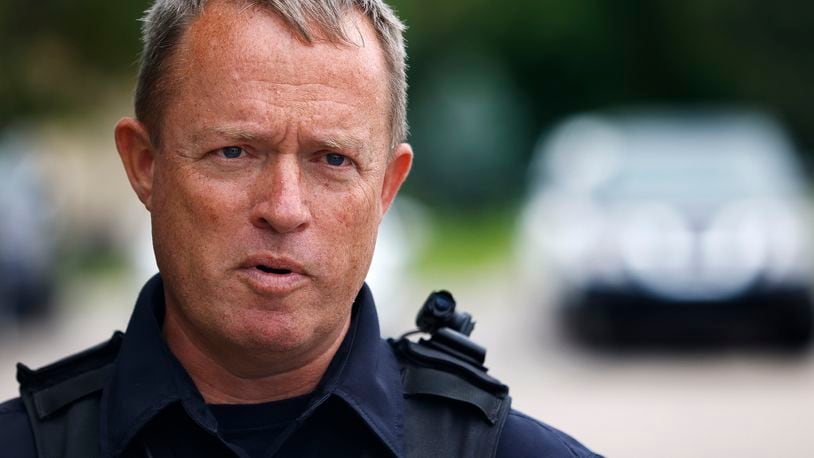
138,156
396,173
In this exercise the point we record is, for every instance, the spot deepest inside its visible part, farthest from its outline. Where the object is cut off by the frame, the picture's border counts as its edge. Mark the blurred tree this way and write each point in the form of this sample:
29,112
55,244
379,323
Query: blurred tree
530,63
566,57
57,54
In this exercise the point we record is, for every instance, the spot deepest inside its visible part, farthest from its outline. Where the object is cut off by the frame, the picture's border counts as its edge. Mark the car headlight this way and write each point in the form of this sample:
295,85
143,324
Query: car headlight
765,235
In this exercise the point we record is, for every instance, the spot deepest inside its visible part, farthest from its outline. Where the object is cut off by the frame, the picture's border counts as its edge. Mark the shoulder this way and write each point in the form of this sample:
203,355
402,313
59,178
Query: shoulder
50,390
525,436
15,430
88,365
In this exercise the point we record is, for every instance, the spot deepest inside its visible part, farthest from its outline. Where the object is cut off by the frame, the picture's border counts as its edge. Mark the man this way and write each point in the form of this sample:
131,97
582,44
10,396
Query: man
268,144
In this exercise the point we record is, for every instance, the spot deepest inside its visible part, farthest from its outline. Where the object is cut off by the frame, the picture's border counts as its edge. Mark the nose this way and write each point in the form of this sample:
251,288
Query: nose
280,204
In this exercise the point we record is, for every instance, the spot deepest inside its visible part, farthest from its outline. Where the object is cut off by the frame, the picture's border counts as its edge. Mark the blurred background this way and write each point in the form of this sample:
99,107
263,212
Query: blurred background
618,191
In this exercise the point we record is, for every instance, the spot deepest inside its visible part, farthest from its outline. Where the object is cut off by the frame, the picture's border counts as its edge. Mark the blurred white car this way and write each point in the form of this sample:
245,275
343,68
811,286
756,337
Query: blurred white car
27,241
687,225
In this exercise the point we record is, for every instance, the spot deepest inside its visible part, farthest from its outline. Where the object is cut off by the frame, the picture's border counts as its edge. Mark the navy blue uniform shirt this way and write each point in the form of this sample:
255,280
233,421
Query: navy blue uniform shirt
150,403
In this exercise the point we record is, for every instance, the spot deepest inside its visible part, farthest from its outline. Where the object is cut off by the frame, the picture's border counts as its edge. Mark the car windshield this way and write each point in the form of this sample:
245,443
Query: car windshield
681,172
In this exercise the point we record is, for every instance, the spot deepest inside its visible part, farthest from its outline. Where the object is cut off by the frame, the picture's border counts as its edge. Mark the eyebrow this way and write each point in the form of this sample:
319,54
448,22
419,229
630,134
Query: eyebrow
342,143
234,132
336,142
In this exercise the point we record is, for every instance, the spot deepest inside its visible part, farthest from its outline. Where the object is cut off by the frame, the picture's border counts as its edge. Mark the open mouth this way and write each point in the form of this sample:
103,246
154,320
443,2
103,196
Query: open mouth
273,275
272,270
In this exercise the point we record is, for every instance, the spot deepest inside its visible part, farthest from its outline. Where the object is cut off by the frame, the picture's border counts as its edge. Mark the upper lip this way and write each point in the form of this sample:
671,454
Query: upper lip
274,262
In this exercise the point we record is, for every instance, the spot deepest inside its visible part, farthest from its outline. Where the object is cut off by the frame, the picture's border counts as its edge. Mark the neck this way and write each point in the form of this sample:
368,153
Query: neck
220,379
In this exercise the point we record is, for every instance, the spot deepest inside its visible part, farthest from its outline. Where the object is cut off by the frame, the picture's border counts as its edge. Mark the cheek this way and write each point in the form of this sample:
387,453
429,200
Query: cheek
208,198
354,212
194,208
347,223
209,203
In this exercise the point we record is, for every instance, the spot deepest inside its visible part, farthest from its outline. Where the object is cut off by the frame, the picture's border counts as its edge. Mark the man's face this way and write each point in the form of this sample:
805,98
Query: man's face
270,181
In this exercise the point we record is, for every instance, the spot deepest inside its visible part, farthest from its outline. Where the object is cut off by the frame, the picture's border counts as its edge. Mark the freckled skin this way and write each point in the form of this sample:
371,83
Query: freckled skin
242,70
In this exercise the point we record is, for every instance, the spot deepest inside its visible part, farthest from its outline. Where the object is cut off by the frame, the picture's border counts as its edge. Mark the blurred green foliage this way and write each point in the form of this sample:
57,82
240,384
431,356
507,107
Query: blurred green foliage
57,54
562,57
460,244
486,78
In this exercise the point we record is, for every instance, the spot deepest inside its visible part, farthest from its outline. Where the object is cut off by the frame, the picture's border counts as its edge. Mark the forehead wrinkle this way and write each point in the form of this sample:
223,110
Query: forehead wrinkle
291,88
205,36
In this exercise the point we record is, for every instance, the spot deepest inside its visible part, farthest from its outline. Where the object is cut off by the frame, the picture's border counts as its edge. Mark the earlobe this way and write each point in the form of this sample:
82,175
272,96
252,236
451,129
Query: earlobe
396,173
138,157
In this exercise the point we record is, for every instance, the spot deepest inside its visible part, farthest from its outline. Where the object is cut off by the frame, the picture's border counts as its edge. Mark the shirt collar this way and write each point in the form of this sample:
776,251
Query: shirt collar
147,377
366,375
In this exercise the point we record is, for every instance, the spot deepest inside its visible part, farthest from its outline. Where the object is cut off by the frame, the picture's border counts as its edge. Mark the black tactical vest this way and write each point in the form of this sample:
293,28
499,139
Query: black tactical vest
453,408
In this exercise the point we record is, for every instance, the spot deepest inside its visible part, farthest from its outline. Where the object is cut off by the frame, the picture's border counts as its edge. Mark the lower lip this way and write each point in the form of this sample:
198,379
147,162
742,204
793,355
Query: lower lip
271,283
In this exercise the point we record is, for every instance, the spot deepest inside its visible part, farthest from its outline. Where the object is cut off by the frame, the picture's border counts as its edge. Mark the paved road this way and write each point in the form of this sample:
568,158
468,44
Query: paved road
722,404
744,404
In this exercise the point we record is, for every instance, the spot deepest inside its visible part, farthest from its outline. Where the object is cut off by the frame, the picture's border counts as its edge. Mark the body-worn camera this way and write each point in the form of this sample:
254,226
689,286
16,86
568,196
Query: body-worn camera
449,330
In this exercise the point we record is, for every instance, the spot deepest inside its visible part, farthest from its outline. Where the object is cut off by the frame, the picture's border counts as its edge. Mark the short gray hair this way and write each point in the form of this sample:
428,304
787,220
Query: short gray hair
166,20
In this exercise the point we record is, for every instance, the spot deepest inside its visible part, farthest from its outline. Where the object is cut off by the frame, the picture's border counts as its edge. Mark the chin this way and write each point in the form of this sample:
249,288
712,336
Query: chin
273,331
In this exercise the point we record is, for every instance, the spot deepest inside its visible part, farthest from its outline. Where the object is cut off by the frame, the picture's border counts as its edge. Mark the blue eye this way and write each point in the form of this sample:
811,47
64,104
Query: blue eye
335,159
232,152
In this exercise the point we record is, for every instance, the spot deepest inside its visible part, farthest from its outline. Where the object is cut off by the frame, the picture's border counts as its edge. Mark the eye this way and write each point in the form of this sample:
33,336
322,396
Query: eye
232,152
336,160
